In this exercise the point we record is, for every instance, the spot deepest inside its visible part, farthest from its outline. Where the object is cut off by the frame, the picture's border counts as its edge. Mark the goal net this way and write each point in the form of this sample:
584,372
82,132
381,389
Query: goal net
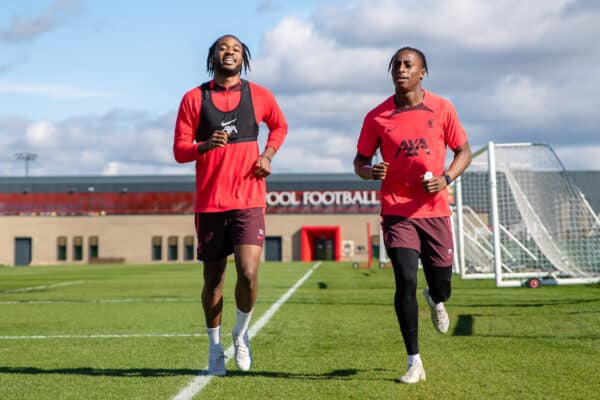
520,216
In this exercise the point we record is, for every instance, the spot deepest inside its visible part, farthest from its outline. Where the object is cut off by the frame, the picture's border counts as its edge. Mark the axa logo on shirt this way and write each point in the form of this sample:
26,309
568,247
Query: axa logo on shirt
229,127
411,147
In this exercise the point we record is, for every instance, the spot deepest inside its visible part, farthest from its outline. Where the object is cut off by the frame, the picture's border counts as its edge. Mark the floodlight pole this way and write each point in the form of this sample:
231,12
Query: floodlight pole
26,157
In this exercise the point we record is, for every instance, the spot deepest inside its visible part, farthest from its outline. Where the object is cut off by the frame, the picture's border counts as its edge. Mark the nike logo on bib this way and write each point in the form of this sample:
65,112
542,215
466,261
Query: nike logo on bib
224,124
229,127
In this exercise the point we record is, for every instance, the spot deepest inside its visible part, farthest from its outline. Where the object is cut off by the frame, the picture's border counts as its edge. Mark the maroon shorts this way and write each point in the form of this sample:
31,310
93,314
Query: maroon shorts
431,237
219,232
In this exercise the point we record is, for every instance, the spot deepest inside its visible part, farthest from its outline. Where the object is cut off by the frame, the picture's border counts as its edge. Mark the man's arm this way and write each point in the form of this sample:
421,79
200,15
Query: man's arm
364,169
460,162
184,147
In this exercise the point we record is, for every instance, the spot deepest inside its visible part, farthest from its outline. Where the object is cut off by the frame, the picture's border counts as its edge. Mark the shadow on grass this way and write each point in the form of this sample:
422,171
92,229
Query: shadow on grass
464,327
150,372
335,374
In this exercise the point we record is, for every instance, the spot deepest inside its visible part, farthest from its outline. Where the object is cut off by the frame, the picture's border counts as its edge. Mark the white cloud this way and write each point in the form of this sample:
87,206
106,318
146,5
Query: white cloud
125,168
298,58
521,99
293,159
26,29
328,108
118,141
315,150
41,134
484,25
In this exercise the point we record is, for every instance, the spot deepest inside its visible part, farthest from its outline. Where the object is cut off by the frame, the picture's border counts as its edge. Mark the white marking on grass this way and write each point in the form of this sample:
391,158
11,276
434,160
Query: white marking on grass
43,287
104,336
200,381
105,301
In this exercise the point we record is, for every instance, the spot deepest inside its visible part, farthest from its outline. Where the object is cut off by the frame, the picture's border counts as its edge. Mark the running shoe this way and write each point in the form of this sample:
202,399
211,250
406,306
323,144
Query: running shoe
439,316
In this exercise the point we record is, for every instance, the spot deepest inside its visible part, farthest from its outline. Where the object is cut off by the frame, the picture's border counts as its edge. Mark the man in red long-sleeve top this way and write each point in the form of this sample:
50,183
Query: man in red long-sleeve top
217,127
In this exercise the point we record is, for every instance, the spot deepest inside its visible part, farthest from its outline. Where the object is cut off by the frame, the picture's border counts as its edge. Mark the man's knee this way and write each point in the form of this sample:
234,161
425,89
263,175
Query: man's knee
248,275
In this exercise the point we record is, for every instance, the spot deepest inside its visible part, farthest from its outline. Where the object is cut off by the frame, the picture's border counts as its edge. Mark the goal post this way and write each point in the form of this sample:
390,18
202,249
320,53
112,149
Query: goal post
519,217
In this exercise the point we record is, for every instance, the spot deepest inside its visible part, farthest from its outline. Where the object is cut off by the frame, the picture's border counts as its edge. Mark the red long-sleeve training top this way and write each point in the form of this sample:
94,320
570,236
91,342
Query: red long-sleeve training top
225,177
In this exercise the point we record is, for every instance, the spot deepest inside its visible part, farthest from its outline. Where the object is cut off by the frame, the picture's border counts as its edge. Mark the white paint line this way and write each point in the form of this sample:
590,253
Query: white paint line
200,381
43,287
104,336
105,301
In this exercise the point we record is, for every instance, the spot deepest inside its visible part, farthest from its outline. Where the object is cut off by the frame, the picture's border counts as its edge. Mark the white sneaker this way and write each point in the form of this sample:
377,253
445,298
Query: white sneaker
243,355
216,360
439,316
414,373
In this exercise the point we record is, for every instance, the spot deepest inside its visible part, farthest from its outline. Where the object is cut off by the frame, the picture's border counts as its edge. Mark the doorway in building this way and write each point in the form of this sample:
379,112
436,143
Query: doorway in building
22,251
320,243
323,249
273,248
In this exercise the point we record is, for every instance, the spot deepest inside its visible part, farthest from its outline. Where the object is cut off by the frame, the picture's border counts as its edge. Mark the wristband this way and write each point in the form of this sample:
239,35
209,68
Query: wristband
448,179
270,159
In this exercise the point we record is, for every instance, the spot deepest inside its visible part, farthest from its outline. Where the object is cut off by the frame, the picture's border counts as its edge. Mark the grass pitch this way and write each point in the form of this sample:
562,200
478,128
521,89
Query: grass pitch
137,332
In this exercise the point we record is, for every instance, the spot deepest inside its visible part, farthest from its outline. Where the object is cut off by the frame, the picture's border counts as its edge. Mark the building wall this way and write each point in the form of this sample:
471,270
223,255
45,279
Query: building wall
353,228
127,237
130,238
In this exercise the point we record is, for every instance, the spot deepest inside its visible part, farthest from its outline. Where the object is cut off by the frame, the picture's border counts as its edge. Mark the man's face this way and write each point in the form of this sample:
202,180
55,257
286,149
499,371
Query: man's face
228,56
407,71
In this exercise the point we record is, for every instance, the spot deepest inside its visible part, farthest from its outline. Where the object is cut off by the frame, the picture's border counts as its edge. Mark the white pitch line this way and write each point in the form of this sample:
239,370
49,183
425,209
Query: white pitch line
200,381
43,287
104,336
103,301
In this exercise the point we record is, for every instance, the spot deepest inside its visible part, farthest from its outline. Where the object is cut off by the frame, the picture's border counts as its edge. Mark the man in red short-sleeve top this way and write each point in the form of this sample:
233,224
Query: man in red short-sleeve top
217,127
412,129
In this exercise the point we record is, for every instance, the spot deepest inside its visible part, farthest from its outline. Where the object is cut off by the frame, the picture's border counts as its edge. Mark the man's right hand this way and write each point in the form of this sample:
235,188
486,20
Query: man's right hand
217,139
378,171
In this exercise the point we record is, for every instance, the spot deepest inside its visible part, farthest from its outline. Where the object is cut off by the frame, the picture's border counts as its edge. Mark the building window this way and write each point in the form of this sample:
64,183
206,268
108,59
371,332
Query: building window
173,253
93,247
61,248
156,248
78,248
188,248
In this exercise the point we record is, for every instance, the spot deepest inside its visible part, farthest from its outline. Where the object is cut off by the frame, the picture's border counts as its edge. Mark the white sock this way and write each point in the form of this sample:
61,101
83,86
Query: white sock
242,320
214,335
412,358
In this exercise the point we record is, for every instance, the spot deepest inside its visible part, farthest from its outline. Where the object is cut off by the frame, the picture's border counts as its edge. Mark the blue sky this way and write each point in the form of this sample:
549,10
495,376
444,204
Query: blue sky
75,57
92,87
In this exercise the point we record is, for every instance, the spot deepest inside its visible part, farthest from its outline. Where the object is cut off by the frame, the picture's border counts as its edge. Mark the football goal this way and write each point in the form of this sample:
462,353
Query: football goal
521,220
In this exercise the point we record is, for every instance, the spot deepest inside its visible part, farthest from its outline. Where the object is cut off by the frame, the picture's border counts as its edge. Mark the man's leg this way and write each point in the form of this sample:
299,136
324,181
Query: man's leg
436,255
405,262
437,292
212,292
212,303
247,258
438,282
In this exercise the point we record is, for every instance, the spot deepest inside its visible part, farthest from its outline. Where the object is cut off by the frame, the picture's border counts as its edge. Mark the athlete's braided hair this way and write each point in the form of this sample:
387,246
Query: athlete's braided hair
419,53
210,61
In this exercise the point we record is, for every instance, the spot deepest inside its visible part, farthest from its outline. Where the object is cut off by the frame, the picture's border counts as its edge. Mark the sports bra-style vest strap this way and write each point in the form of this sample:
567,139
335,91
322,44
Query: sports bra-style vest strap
240,122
